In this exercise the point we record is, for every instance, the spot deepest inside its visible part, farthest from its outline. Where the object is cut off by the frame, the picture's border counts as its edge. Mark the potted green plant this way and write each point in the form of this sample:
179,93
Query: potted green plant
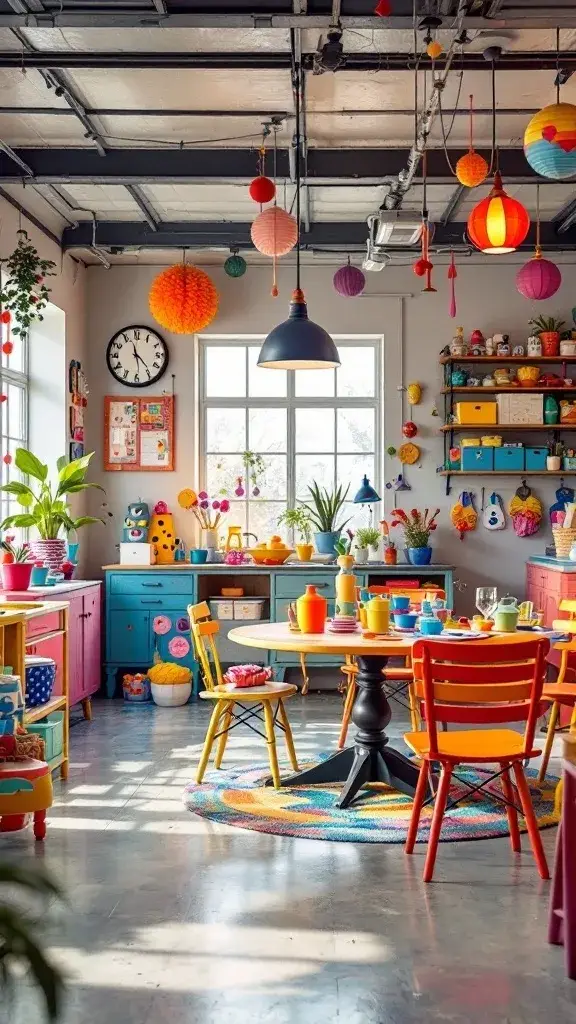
367,539
298,520
45,509
17,570
549,328
556,451
324,508
417,527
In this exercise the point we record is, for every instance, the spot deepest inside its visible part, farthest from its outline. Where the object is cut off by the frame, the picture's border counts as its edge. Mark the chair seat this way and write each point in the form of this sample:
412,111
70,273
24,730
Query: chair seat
562,692
269,691
473,745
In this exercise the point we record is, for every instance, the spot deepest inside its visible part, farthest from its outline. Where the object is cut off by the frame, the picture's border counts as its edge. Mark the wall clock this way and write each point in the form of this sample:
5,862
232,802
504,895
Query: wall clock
137,356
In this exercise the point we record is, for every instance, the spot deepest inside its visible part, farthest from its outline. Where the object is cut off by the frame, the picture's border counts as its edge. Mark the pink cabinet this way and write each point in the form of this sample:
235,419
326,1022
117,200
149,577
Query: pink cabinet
546,587
84,639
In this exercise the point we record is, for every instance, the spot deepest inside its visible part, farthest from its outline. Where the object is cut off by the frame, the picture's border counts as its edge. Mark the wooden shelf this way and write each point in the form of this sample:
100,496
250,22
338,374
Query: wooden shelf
528,360
507,391
506,472
506,426
43,710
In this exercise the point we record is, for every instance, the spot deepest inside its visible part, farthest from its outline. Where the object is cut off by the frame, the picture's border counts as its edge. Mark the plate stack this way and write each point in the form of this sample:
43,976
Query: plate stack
343,624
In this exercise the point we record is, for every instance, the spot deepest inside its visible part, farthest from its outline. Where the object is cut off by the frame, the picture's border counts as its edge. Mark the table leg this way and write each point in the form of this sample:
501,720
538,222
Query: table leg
371,759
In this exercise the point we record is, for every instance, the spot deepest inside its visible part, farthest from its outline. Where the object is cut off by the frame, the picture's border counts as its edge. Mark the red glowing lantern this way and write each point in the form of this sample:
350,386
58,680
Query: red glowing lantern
7,459
383,8
5,316
498,224
7,348
262,190
539,278
409,429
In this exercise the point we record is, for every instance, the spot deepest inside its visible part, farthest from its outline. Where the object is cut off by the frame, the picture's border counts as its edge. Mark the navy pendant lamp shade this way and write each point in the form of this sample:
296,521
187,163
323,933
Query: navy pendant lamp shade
297,343
366,495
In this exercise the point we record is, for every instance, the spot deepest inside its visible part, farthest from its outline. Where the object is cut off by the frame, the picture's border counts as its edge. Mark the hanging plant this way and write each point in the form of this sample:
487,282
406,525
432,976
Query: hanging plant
26,293
255,468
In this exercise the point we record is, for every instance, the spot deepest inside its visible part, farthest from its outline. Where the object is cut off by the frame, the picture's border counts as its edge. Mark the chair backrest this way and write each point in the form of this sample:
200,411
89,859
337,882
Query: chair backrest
204,629
478,683
568,605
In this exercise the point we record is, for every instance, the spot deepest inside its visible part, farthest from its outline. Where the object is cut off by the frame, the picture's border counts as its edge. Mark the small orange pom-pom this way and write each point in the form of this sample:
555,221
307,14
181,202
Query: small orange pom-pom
183,299
471,169
5,316
274,292
7,348
434,49
420,267
7,459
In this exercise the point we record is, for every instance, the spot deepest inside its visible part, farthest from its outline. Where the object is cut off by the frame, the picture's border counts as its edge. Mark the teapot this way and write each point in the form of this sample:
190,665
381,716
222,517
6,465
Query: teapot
506,614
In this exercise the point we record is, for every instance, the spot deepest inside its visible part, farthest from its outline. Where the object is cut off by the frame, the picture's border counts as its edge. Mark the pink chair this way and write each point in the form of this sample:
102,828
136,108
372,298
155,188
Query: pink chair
562,921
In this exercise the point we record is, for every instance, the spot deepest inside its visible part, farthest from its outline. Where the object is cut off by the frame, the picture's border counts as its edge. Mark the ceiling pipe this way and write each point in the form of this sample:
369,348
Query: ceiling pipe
399,187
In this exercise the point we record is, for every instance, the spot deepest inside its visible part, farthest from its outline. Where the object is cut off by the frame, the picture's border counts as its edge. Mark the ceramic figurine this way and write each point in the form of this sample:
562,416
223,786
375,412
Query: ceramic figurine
458,344
477,345
473,382
502,344
567,347
458,378
534,347
161,533
490,347
518,350
136,523
488,381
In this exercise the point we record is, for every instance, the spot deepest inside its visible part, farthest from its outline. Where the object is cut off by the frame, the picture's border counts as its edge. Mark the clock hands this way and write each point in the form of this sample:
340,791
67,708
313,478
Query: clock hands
138,357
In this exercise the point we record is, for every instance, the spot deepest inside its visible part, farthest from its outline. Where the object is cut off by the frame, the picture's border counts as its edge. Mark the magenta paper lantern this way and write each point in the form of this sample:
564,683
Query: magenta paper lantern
538,279
349,281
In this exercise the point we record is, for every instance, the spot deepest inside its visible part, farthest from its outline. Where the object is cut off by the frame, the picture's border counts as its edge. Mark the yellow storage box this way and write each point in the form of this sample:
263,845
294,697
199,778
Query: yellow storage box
470,442
477,412
492,441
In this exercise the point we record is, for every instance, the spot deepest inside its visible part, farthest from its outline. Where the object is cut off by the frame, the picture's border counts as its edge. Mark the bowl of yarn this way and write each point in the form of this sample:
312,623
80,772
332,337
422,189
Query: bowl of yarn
171,684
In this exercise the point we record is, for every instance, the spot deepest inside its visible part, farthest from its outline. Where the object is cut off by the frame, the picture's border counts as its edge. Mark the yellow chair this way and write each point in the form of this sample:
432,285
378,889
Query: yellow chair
566,625
562,694
237,706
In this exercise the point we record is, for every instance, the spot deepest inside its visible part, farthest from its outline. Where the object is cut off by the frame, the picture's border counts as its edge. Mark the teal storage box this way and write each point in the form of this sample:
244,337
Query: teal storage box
508,460
479,459
535,458
51,729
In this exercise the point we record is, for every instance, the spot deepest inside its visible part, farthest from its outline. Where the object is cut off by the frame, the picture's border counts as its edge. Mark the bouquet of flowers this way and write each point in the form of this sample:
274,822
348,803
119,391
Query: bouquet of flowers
417,526
208,511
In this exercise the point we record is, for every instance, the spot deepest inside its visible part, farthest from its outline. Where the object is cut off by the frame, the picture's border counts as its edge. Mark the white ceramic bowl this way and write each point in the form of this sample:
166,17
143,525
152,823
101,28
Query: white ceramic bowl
171,696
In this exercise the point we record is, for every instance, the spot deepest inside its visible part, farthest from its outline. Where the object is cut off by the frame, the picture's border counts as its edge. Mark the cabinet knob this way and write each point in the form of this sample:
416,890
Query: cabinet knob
129,627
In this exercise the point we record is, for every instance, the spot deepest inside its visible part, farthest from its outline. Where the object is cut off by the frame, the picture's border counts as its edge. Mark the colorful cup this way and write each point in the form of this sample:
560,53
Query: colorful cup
399,604
198,556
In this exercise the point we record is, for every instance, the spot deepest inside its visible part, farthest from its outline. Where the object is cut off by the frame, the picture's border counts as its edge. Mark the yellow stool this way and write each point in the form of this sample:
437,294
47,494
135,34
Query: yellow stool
25,788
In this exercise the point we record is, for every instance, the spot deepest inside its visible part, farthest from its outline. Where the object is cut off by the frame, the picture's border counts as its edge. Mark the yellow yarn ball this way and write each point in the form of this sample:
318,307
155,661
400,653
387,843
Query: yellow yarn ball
167,673
471,169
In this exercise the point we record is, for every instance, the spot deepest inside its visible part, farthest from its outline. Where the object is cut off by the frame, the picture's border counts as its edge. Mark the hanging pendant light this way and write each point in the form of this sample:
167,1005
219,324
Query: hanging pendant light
499,223
298,343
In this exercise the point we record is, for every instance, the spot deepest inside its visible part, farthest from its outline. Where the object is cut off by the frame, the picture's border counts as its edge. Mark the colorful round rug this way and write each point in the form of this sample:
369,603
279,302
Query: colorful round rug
238,797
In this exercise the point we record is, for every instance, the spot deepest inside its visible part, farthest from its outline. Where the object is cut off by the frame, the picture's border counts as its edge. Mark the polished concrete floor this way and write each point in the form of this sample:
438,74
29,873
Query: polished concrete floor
175,919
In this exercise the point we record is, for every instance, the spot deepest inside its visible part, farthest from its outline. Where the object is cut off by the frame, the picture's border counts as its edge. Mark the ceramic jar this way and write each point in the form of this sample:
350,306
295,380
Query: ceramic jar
311,611
345,587
534,347
553,463
550,343
378,614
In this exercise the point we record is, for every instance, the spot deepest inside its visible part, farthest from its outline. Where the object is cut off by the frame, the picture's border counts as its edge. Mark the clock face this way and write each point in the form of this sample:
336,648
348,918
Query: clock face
137,356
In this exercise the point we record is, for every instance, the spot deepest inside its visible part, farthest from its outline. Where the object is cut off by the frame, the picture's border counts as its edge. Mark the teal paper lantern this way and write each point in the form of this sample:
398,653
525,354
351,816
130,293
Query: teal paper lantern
235,266
550,141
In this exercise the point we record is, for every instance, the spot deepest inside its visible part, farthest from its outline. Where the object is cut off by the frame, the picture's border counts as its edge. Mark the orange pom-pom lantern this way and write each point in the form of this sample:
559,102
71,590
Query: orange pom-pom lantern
183,299
262,189
471,169
434,49
274,232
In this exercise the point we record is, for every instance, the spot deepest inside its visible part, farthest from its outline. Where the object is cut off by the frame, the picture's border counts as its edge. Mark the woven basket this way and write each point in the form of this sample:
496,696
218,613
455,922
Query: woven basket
563,541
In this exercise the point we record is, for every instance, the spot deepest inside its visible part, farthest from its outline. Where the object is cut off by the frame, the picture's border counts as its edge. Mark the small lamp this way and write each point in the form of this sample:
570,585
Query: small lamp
366,495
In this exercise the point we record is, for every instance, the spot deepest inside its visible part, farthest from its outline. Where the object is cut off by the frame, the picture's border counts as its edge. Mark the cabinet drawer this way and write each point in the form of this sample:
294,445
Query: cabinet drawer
43,624
151,600
292,584
152,583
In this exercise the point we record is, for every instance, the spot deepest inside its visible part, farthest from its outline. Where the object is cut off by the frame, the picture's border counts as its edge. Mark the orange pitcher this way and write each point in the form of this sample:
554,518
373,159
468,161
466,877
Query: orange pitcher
311,611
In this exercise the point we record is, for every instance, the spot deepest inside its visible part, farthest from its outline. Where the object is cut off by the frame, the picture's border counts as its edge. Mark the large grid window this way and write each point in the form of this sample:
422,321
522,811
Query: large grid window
305,425
13,417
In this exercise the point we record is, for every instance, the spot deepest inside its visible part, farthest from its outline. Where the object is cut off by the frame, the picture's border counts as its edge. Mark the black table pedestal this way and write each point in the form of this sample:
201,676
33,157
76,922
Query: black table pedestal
371,759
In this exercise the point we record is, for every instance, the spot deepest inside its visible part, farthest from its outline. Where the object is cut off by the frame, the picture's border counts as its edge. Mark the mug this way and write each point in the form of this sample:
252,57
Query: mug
198,556
400,604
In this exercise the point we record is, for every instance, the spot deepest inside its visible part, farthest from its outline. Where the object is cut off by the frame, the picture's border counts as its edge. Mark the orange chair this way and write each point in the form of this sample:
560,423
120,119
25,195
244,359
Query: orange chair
477,684
562,694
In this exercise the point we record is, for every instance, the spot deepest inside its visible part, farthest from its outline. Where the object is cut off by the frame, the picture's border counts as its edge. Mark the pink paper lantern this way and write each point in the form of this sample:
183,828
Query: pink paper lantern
538,279
349,281
274,232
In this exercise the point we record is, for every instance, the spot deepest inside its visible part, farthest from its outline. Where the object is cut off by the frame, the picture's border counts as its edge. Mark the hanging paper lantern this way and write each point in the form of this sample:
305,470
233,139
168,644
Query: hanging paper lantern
7,459
498,224
274,232
349,281
421,266
7,348
183,299
383,8
538,279
471,169
5,316
434,49
262,189
235,266
550,141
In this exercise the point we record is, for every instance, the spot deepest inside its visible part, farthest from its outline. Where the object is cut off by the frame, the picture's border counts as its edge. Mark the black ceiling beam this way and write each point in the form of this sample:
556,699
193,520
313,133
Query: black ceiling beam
268,114
53,60
326,234
453,204
151,217
172,165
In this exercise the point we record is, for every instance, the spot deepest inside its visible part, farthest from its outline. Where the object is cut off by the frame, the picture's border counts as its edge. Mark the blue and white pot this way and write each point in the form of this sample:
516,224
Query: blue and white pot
40,679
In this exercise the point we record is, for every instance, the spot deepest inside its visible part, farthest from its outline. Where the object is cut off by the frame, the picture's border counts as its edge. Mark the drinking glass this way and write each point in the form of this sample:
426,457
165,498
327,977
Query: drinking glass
486,598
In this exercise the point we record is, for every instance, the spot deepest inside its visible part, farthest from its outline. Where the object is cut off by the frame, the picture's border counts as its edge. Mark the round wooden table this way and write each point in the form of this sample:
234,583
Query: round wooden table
371,759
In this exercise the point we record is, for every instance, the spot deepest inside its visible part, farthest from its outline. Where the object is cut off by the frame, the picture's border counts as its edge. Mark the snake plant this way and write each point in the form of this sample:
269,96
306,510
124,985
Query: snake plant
325,506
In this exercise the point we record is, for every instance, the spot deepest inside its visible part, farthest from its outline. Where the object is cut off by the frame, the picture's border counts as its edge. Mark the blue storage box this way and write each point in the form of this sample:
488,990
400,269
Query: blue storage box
51,729
535,458
508,460
479,459
40,678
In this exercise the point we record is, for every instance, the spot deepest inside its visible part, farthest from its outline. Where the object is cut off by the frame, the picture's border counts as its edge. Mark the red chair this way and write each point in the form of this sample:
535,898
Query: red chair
478,683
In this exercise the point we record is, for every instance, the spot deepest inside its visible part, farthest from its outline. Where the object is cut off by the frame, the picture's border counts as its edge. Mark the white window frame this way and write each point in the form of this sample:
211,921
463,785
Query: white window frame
291,402
21,380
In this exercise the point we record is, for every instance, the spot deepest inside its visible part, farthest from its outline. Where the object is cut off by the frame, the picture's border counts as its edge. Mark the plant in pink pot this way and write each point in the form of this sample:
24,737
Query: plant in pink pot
17,570
45,507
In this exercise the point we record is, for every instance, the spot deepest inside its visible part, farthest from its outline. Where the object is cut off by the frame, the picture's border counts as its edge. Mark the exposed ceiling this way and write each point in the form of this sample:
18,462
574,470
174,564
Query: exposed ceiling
130,129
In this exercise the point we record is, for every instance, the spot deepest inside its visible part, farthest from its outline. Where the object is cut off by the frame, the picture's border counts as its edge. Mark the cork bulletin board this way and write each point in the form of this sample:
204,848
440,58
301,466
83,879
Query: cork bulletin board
139,433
